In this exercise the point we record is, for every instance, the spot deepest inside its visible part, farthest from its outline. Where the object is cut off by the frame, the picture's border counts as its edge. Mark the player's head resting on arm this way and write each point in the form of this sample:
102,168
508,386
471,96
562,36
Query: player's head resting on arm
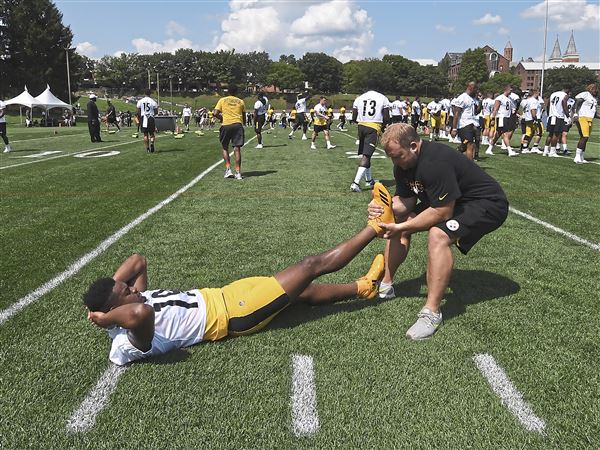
99,295
402,144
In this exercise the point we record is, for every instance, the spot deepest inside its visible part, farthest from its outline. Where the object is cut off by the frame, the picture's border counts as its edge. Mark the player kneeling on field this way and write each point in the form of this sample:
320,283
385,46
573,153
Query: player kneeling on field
144,322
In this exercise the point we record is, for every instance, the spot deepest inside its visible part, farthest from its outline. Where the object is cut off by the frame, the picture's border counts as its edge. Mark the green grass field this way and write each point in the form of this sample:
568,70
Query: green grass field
526,295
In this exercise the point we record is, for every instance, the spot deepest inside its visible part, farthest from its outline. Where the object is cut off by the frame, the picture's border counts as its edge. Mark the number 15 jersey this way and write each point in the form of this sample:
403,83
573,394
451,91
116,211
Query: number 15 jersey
179,321
370,108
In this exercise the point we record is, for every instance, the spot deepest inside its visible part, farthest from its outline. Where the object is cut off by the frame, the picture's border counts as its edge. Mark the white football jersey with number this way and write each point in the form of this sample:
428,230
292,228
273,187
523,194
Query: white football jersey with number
505,106
434,108
396,108
260,107
370,107
514,98
467,104
556,106
589,105
301,105
179,321
527,105
147,106
416,108
487,106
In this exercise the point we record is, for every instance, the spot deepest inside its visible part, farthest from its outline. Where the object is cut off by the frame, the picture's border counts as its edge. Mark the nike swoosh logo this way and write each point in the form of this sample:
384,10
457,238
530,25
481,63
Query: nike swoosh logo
442,197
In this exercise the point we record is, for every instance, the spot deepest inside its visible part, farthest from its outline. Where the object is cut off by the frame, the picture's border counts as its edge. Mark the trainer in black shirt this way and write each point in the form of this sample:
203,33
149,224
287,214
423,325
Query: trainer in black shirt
459,203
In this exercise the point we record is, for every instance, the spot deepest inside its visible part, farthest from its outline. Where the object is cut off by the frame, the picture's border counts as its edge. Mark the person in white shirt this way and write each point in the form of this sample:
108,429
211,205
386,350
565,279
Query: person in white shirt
501,114
300,121
584,112
371,111
415,115
446,107
396,110
532,121
566,128
514,120
466,119
7,147
187,115
260,111
143,323
146,110
557,108
435,113
486,108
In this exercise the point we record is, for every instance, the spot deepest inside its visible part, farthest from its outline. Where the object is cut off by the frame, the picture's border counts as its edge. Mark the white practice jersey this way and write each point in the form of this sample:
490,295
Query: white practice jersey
3,107
434,108
396,108
179,321
487,106
556,107
505,106
260,107
468,115
187,112
570,105
527,105
514,98
370,107
445,104
147,107
403,106
301,105
540,107
416,108
589,105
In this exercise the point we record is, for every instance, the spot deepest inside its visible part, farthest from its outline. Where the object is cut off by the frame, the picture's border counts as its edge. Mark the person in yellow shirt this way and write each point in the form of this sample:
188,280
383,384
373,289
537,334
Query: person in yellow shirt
230,111
329,117
342,123
311,117
211,119
321,119
271,117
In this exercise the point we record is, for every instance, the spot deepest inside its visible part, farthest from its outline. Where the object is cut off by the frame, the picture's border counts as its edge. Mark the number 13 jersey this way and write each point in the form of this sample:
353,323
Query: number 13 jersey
370,108
179,321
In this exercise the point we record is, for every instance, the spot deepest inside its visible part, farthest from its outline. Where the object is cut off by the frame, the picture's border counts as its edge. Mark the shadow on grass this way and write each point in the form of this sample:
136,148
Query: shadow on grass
467,287
273,146
172,357
170,150
258,173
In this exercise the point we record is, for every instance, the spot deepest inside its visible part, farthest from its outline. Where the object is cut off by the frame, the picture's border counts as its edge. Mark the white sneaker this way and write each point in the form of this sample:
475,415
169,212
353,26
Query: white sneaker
581,161
536,151
525,151
7,149
259,146
355,187
512,153
425,326
386,291
553,154
329,147
312,147
304,138
489,150
238,176
228,173
357,142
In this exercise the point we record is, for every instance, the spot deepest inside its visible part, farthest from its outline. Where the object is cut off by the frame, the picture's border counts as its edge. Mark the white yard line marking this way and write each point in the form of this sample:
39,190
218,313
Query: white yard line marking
71,154
50,137
508,393
555,229
74,268
84,418
305,420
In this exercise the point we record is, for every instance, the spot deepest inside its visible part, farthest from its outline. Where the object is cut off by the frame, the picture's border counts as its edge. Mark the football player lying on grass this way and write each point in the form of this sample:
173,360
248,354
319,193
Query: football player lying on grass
144,322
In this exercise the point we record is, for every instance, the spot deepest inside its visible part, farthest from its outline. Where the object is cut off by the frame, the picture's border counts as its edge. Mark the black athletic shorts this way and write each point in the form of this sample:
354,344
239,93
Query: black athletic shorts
502,124
151,125
186,120
367,140
110,119
414,120
396,119
319,128
555,126
471,221
258,124
467,134
567,127
300,120
2,128
232,133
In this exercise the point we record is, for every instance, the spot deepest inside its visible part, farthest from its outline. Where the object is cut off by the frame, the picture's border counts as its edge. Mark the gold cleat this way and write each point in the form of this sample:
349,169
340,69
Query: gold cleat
383,198
367,286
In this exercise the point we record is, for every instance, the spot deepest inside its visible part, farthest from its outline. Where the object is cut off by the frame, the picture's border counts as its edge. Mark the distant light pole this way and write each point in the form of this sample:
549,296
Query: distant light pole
68,74
149,87
171,87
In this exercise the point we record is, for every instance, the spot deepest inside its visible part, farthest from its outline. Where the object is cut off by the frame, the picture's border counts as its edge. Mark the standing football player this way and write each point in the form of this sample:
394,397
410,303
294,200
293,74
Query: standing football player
584,113
147,108
300,107
320,124
7,147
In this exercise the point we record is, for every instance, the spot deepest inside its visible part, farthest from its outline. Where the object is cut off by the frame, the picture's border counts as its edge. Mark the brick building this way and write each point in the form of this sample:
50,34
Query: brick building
495,61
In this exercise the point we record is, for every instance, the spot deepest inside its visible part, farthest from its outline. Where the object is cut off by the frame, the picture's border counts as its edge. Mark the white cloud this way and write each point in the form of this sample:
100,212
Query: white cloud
383,51
175,29
145,47
569,15
444,28
503,31
86,48
487,19
118,53
426,62
338,27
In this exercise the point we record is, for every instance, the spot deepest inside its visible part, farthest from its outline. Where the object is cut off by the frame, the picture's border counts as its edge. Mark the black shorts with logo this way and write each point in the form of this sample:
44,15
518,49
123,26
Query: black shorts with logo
319,128
150,125
232,133
555,125
467,134
471,221
367,140
259,122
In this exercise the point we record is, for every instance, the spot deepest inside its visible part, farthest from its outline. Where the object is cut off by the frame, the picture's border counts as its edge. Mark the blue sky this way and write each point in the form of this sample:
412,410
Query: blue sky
346,29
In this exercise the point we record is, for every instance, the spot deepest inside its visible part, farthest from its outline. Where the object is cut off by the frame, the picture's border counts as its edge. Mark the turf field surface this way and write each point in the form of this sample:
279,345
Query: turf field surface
525,295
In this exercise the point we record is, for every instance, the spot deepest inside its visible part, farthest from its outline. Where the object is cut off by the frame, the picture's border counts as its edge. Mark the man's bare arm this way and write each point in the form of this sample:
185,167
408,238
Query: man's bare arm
422,222
134,272
138,318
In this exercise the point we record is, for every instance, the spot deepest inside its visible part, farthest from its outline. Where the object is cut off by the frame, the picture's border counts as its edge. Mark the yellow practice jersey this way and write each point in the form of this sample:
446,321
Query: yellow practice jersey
232,108
210,114
330,112
270,112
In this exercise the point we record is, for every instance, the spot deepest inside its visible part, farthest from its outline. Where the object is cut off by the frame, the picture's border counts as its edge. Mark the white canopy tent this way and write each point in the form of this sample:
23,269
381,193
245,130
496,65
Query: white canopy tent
48,100
25,99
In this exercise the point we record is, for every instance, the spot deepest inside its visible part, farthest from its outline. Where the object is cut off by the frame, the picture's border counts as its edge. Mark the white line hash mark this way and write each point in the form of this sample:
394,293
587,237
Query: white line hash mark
305,420
508,393
84,418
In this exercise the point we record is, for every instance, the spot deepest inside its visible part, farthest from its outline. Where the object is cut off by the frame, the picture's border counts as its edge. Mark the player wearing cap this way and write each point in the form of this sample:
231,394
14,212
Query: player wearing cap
146,110
584,113
7,147
465,119
557,108
371,111
230,111
320,123
300,121
415,113
260,110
